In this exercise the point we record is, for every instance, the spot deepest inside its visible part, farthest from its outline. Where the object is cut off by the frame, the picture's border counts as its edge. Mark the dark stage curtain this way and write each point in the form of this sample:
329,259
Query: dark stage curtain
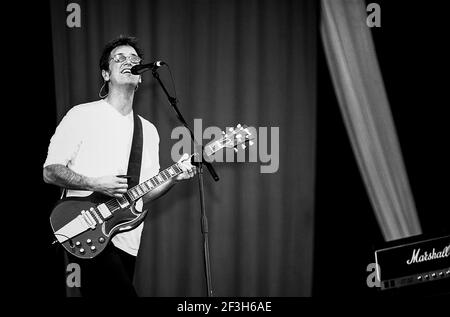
251,62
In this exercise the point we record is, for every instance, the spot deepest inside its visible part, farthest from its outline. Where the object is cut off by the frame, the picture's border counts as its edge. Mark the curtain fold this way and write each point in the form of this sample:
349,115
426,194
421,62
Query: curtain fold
365,109
250,62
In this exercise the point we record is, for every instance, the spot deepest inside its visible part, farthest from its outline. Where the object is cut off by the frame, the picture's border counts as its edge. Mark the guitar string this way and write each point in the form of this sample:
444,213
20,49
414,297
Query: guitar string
156,180
165,175
114,204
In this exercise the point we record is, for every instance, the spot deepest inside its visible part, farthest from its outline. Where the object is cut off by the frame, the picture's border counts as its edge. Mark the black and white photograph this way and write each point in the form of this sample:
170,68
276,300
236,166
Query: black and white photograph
224,155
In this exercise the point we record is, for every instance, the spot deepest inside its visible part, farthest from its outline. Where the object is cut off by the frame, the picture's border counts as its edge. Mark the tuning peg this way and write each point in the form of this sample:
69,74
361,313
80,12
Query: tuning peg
239,125
223,132
243,146
230,129
235,149
251,143
238,136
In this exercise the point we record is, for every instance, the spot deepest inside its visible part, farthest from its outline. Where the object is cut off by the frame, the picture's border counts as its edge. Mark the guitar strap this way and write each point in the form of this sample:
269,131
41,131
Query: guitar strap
134,163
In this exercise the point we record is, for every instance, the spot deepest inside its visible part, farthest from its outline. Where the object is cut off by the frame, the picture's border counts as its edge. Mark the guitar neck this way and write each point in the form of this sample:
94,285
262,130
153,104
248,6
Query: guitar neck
144,188
234,137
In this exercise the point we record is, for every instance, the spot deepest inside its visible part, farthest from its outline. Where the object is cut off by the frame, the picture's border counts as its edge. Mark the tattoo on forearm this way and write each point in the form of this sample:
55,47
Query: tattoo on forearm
64,177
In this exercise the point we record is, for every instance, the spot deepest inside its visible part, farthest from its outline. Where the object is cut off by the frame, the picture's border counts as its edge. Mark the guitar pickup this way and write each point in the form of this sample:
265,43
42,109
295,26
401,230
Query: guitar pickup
123,202
104,211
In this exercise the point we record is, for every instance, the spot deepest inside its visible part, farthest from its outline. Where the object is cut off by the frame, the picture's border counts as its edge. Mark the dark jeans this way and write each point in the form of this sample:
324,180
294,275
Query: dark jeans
108,274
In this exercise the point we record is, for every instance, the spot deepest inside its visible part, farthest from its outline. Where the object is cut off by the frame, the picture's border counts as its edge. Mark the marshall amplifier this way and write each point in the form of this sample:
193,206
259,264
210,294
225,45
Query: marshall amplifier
412,261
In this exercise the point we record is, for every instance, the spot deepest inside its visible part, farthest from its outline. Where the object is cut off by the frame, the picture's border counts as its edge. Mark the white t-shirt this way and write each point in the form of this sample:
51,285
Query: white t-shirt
93,140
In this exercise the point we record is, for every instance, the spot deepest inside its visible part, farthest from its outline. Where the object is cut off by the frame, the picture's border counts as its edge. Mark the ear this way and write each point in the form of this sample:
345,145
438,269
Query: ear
105,75
140,79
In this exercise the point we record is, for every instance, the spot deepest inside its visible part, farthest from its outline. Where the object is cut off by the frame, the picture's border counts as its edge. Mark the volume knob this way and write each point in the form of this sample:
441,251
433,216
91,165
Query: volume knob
88,241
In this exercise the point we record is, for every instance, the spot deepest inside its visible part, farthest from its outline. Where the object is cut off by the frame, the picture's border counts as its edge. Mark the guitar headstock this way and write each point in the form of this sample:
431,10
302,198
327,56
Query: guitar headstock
232,138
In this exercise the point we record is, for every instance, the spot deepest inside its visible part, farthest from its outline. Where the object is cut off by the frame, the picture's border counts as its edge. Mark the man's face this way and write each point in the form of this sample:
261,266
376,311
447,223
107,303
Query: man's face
119,71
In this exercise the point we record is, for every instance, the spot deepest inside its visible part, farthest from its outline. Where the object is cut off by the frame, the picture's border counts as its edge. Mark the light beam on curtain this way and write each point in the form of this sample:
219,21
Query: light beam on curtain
364,105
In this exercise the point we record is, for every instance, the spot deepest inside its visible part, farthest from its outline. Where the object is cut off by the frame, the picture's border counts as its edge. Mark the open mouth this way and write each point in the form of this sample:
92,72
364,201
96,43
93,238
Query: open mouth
126,71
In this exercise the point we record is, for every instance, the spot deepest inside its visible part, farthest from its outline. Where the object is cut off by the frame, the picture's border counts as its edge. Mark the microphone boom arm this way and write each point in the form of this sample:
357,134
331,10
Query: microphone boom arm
173,102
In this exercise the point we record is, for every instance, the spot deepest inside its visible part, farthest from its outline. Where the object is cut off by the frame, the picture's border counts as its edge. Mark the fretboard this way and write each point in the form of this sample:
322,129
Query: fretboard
143,188
230,140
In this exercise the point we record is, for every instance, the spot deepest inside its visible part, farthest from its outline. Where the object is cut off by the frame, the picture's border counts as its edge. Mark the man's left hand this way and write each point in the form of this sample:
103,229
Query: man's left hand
188,169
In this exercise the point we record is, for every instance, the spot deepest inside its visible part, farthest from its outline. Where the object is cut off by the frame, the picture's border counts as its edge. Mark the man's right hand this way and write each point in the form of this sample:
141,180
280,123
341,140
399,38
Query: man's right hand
113,186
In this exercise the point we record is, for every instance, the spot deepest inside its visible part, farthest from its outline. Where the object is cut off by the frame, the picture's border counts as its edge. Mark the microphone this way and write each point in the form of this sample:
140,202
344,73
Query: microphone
139,69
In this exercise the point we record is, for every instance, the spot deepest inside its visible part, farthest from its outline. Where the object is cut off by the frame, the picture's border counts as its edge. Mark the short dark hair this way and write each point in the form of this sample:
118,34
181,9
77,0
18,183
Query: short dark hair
111,45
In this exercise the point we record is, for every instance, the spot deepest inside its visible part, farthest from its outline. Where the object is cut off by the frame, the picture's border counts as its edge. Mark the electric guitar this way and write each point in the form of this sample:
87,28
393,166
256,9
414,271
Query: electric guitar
85,225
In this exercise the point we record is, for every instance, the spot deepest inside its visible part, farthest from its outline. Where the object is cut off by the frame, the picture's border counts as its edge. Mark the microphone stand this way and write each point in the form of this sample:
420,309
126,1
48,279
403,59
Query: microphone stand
199,149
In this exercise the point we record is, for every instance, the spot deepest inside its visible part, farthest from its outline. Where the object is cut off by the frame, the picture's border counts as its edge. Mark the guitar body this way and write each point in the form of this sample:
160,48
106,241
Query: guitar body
93,241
